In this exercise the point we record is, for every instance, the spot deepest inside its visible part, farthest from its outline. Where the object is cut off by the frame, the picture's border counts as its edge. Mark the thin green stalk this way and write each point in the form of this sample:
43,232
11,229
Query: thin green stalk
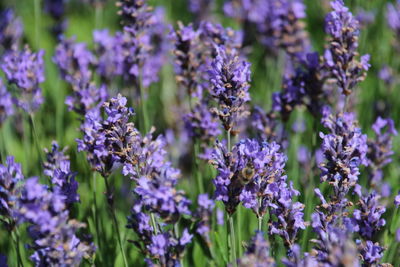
15,237
27,145
37,22
115,221
199,179
229,139
232,241
260,218
144,109
35,136
95,214
98,14
154,223
239,215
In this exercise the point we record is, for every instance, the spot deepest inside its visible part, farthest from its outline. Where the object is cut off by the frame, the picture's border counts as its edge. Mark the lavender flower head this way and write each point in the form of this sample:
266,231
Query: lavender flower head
257,253
147,44
25,70
345,149
11,30
201,123
341,56
6,103
230,77
74,61
10,182
57,167
393,16
367,217
103,138
252,170
53,234
380,149
110,51
333,247
204,214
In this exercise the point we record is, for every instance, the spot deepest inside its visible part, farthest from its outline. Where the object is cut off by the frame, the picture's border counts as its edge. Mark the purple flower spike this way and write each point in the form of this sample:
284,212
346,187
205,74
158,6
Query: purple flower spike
204,214
11,30
230,77
26,70
252,170
372,253
380,149
367,218
57,167
53,233
147,45
6,103
10,183
345,149
341,56
257,253
74,61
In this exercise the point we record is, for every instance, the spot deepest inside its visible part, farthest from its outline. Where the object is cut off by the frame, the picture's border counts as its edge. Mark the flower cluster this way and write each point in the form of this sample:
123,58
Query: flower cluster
57,167
380,149
341,56
6,103
53,233
289,215
147,44
252,171
110,52
345,149
10,182
278,22
230,77
257,253
104,139
74,61
56,9
333,246
11,30
25,70
204,215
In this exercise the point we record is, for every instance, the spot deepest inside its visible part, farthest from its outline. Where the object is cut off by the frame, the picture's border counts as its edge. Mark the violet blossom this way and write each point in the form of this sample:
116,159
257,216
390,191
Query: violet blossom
25,70
341,56
257,253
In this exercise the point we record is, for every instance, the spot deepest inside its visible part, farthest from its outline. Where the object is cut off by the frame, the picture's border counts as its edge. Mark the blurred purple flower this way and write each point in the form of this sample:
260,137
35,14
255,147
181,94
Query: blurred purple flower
57,167
10,189
6,103
257,253
11,30
341,56
230,77
25,70
53,233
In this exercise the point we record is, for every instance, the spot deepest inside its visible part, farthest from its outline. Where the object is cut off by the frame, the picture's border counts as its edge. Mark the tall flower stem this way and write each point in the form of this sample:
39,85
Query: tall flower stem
95,214
232,241
144,109
15,237
35,136
258,216
199,179
37,22
115,221
98,14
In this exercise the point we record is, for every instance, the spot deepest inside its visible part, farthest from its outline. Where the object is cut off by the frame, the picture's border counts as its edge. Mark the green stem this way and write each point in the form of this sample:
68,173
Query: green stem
98,14
37,23
154,223
144,109
229,140
258,216
95,214
232,241
199,179
15,237
115,221
35,136
27,145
